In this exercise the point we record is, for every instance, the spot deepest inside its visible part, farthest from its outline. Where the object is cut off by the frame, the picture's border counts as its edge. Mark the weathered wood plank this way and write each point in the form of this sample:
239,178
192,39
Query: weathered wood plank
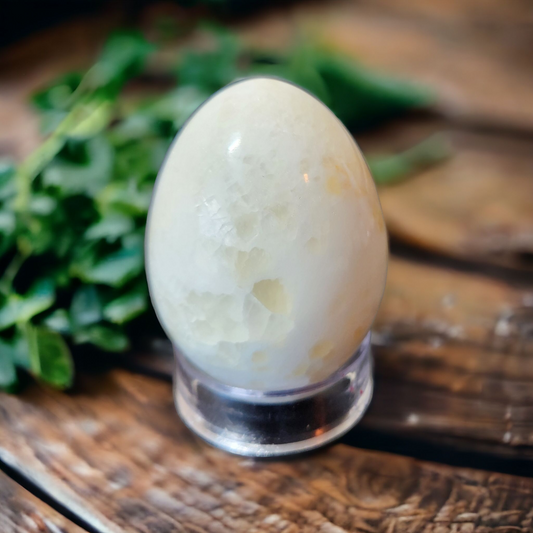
476,206
439,305
21,512
116,453
489,14
454,356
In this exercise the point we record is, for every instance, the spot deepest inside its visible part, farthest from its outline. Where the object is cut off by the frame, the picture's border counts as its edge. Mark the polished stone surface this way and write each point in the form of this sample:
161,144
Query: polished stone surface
266,246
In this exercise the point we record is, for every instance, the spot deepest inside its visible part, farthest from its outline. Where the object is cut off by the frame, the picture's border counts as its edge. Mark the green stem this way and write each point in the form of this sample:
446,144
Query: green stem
80,115
31,167
11,271
389,169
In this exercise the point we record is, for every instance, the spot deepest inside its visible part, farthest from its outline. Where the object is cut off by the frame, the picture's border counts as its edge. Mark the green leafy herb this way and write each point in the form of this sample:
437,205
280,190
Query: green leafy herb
72,216
50,357
8,372
86,307
214,68
104,337
19,309
128,306
59,321
115,269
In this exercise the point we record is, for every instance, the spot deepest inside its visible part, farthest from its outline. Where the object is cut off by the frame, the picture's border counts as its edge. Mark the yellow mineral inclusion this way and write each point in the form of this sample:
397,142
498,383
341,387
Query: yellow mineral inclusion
334,186
340,179
321,350
317,374
259,358
271,293
300,370
359,334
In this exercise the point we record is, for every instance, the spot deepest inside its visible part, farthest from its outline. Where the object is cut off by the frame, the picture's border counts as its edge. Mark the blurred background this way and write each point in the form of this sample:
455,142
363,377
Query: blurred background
439,95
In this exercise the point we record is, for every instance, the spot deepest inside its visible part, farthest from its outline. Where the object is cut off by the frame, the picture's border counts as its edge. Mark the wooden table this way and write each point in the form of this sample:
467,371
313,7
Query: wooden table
453,340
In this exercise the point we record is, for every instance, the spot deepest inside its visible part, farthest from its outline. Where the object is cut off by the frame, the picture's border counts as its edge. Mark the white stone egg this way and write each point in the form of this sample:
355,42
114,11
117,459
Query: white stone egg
266,248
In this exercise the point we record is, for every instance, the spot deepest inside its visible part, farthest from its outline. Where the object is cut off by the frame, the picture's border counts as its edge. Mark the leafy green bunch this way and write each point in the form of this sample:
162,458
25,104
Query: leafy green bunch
72,215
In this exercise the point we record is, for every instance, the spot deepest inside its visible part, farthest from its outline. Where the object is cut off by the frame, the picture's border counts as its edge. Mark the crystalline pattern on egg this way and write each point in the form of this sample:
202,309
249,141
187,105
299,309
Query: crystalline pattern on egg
266,246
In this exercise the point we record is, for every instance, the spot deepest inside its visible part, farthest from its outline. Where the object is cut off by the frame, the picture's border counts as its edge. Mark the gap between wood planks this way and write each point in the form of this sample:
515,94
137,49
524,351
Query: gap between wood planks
513,277
24,505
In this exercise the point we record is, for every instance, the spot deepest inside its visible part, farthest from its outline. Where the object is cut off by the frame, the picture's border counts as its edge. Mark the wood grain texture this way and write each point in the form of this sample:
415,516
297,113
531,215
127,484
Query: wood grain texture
442,304
21,512
476,206
116,454
470,13
454,356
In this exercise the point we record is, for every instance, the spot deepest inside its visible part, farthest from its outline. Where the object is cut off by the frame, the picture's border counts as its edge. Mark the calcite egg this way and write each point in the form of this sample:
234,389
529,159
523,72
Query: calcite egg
266,247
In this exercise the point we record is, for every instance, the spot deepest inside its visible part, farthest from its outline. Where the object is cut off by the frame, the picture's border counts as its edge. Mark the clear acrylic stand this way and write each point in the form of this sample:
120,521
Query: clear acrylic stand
268,424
